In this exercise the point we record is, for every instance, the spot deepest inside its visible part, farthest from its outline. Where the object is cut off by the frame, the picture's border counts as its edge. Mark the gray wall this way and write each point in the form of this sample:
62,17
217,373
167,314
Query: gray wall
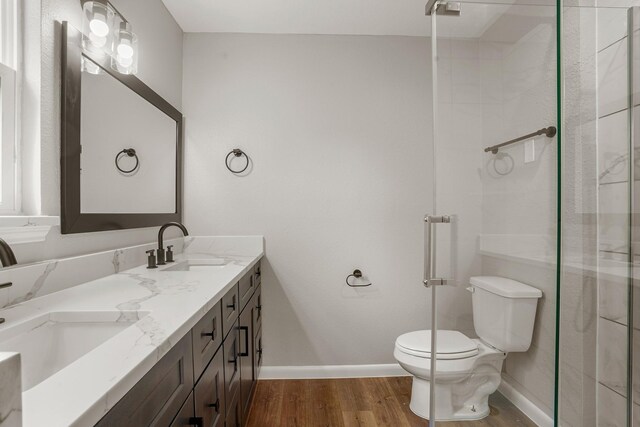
338,128
160,67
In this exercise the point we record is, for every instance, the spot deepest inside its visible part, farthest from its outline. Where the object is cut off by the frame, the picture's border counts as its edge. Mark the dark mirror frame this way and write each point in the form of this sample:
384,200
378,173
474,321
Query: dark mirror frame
73,220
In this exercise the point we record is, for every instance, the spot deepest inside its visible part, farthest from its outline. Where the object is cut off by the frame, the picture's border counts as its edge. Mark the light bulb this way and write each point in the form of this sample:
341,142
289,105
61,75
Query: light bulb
125,62
98,25
97,40
125,50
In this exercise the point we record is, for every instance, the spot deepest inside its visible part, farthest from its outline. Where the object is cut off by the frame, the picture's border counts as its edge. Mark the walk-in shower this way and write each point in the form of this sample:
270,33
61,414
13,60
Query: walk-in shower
556,209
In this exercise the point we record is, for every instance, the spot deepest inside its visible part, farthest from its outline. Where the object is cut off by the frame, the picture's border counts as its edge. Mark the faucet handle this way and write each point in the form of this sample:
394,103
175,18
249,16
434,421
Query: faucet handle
169,254
151,260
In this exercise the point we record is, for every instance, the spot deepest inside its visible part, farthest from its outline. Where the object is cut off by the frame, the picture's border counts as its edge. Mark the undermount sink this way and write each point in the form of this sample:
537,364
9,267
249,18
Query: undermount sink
198,265
54,340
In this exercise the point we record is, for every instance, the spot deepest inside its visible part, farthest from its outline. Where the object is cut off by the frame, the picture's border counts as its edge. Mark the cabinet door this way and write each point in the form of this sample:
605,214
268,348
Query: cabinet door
158,397
207,337
246,288
257,355
209,394
185,417
246,358
230,309
231,365
257,310
234,415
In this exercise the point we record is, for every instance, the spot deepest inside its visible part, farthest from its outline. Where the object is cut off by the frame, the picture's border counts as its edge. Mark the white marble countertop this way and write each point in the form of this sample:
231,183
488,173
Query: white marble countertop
81,393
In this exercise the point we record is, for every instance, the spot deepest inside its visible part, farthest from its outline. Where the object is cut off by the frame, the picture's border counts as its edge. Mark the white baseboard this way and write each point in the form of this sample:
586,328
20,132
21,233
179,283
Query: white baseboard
331,371
527,407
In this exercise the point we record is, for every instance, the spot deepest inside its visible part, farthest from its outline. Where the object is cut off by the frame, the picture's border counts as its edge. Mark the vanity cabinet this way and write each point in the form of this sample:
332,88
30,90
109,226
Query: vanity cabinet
247,378
185,416
230,309
231,366
159,395
208,378
245,289
207,337
210,395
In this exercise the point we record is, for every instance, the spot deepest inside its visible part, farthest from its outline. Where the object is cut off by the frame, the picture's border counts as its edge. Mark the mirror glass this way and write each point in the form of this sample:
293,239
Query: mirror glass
113,119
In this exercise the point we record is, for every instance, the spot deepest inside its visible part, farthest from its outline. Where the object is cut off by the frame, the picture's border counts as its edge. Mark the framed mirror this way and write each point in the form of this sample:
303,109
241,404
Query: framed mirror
121,151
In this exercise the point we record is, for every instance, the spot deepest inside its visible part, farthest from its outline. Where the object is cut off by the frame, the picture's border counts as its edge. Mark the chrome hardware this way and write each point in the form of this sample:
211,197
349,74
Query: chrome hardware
452,8
429,250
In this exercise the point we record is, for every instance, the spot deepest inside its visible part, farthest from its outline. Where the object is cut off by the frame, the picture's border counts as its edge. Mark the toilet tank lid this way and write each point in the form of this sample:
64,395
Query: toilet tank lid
504,287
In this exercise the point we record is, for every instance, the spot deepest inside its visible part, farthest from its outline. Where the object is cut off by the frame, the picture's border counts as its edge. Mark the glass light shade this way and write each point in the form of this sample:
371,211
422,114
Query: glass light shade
125,50
88,66
98,21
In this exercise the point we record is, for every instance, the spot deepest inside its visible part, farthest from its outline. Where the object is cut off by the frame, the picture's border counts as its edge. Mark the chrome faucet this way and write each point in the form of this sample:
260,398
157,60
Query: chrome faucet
160,254
7,256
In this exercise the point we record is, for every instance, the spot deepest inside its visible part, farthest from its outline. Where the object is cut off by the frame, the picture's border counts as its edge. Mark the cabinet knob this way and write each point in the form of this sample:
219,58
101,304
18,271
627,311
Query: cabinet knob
216,405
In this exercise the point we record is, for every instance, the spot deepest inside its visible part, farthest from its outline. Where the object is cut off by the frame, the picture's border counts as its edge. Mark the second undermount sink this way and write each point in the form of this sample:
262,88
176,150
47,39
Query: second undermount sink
198,265
54,340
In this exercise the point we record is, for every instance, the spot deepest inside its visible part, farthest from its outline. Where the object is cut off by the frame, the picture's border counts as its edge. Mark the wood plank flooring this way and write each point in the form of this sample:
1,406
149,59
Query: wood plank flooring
357,402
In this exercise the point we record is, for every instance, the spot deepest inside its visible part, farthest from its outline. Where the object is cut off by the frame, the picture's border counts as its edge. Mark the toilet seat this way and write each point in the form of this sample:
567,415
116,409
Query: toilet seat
451,345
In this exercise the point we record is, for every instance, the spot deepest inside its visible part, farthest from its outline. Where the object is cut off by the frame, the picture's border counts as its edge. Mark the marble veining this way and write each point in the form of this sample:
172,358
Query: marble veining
39,279
173,301
10,390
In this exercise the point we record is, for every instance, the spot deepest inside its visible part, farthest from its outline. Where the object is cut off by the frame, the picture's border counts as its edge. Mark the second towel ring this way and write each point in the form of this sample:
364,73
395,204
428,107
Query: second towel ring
357,274
236,152
131,152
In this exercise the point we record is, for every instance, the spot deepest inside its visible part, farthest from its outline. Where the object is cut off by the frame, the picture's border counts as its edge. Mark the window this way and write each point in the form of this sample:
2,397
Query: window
8,105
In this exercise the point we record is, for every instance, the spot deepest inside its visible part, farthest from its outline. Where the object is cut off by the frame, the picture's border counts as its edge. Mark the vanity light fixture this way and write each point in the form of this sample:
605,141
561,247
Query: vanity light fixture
105,31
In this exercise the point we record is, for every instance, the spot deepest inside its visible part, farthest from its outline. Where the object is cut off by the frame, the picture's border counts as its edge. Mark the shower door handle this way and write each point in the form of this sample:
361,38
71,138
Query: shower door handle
430,249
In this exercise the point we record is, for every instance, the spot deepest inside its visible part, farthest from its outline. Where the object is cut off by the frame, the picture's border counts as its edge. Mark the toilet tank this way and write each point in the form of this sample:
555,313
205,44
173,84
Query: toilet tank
504,312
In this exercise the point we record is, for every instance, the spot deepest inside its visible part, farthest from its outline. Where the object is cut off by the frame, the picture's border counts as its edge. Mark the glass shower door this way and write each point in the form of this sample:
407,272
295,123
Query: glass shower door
494,211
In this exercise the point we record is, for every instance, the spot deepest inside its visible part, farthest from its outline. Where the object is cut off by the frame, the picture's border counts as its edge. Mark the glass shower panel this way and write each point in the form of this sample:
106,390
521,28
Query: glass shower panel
594,373
496,81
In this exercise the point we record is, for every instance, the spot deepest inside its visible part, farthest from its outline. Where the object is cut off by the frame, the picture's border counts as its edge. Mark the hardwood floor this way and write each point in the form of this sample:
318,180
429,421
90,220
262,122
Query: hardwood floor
367,402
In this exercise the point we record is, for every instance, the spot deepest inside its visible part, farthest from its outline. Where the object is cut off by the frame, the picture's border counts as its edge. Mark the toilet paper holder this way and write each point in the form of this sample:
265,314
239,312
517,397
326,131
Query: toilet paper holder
356,274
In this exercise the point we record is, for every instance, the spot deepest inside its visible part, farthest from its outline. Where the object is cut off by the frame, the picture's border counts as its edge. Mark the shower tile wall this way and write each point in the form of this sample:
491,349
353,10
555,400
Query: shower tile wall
613,208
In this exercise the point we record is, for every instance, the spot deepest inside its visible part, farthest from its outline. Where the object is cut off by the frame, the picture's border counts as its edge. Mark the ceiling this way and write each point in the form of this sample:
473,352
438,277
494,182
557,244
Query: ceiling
349,17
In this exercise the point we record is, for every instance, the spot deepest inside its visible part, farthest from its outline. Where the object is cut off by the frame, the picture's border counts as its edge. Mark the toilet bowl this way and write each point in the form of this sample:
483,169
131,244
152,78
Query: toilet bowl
468,370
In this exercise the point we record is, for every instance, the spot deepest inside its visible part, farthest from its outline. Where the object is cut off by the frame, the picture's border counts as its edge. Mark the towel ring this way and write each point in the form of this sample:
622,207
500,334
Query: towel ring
131,152
357,274
237,153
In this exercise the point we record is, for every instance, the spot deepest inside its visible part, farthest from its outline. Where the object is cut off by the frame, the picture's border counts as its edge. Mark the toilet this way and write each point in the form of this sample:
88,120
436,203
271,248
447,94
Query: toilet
468,369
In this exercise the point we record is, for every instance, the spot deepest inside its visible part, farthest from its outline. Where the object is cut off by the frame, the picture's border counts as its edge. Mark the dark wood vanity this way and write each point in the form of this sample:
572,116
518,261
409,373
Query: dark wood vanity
209,377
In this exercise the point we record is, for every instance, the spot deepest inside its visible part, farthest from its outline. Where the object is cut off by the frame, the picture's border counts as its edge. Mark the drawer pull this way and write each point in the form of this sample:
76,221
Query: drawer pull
232,306
246,341
196,421
211,334
216,405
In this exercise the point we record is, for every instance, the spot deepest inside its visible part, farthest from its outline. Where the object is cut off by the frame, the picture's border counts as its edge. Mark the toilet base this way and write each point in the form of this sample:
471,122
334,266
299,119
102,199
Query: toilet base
447,408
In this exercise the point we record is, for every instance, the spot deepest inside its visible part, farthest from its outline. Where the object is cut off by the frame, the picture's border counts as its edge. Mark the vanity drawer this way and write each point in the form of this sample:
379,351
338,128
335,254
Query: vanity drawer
209,394
185,416
207,337
257,310
246,288
158,396
230,309
231,365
